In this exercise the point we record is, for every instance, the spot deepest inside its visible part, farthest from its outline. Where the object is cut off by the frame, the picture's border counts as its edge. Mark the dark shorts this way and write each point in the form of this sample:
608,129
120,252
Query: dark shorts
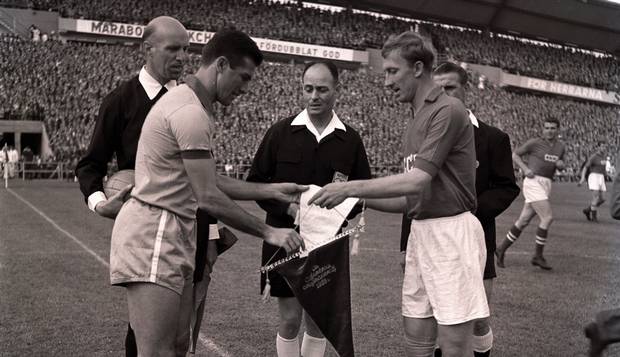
202,241
279,286
489,241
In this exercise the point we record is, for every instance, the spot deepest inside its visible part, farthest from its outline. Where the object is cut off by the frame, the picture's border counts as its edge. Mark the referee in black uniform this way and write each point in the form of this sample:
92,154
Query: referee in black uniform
122,114
313,147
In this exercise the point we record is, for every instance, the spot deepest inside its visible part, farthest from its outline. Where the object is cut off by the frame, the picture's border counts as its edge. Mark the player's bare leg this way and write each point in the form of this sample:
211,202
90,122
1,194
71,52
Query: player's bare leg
483,335
154,315
527,213
182,340
313,343
287,344
420,336
543,210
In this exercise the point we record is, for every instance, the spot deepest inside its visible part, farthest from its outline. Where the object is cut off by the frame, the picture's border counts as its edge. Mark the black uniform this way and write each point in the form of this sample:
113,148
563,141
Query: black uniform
117,131
496,187
291,154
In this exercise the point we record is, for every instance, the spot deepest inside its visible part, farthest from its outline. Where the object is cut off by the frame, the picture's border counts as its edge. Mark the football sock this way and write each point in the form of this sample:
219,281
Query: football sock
541,238
513,234
483,343
313,346
287,348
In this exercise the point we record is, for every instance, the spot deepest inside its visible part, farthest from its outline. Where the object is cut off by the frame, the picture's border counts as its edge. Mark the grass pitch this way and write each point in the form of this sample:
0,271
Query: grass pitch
55,299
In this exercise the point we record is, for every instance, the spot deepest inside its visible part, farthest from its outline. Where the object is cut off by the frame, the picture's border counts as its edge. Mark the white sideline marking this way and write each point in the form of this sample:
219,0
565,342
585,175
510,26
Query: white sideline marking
207,342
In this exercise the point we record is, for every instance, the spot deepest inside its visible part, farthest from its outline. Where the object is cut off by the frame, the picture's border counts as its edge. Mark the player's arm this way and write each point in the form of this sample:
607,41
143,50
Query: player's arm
387,190
503,186
93,166
585,169
200,168
445,129
516,157
242,190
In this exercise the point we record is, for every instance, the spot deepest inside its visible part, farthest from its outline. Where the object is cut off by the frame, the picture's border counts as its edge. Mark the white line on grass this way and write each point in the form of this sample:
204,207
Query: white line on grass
207,342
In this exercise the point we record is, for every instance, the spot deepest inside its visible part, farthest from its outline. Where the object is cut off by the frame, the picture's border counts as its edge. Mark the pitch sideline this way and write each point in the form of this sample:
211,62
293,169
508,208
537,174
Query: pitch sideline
207,343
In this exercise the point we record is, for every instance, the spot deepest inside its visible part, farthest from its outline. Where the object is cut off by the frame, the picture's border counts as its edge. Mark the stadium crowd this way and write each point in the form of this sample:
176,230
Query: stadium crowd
63,85
350,29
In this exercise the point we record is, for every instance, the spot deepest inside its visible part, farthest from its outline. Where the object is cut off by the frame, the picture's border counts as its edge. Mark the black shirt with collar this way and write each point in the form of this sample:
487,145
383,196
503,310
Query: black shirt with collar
290,153
117,131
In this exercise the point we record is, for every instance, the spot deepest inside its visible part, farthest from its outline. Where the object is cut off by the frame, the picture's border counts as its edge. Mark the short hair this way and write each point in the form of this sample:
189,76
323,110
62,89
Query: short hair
451,67
233,44
552,120
330,66
412,47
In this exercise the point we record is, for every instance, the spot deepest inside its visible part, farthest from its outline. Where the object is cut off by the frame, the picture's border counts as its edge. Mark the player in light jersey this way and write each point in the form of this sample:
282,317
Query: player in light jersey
595,170
545,155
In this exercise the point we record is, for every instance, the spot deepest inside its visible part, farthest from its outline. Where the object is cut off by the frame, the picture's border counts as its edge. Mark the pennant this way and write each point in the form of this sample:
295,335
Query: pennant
321,282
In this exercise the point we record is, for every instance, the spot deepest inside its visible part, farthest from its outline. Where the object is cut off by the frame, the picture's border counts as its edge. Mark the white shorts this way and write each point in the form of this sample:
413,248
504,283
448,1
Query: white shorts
536,189
445,261
150,244
596,182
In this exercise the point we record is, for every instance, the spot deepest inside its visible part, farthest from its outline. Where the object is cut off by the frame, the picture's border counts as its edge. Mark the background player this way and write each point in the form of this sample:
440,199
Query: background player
544,157
595,170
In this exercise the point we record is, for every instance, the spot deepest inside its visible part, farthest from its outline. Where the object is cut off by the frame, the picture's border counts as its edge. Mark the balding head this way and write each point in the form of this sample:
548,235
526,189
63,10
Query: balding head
165,41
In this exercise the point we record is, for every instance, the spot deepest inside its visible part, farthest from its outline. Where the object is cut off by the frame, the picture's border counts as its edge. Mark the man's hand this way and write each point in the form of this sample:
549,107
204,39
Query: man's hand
285,238
110,207
529,173
287,192
330,196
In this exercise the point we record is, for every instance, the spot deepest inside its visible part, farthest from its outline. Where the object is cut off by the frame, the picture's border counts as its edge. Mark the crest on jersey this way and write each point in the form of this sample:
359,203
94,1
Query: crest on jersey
340,177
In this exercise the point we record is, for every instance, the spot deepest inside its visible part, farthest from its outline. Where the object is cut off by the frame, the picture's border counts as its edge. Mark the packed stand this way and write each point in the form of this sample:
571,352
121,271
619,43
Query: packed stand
64,84
352,30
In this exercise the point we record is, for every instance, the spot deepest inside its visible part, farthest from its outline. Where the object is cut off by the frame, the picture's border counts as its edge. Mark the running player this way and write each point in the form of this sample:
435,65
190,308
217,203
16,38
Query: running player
544,157
595,169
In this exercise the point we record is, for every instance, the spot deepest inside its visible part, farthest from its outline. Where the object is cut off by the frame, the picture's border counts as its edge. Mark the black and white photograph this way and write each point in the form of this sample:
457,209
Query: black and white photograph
322,178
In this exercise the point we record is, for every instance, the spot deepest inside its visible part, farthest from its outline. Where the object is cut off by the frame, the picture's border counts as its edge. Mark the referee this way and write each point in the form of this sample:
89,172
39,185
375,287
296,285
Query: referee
122,114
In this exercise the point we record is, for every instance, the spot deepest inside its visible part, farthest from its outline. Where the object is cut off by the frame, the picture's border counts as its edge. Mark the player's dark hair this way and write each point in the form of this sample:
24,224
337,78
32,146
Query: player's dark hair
451,67
553,120
412,47
330,66
233,44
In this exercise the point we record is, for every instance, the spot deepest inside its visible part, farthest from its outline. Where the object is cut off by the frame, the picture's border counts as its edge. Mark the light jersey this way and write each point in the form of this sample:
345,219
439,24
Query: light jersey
177,122
597,164
440,141
542,155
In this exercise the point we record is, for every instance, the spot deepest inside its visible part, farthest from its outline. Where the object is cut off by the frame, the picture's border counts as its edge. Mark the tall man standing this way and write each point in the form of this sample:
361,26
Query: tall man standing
446,254
154,236
122,114
312,147
544,157
496,188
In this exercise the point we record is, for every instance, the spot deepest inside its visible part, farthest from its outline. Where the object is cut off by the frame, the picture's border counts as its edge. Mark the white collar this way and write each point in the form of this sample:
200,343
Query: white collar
473,119
304,119
151,85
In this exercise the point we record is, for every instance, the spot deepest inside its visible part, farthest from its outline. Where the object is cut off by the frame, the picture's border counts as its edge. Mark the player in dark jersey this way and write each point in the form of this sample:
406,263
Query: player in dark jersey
594,169
545,155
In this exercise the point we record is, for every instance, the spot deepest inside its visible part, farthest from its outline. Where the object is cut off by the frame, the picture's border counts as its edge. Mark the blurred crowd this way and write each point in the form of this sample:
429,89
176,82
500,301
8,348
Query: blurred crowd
63,85
350,29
